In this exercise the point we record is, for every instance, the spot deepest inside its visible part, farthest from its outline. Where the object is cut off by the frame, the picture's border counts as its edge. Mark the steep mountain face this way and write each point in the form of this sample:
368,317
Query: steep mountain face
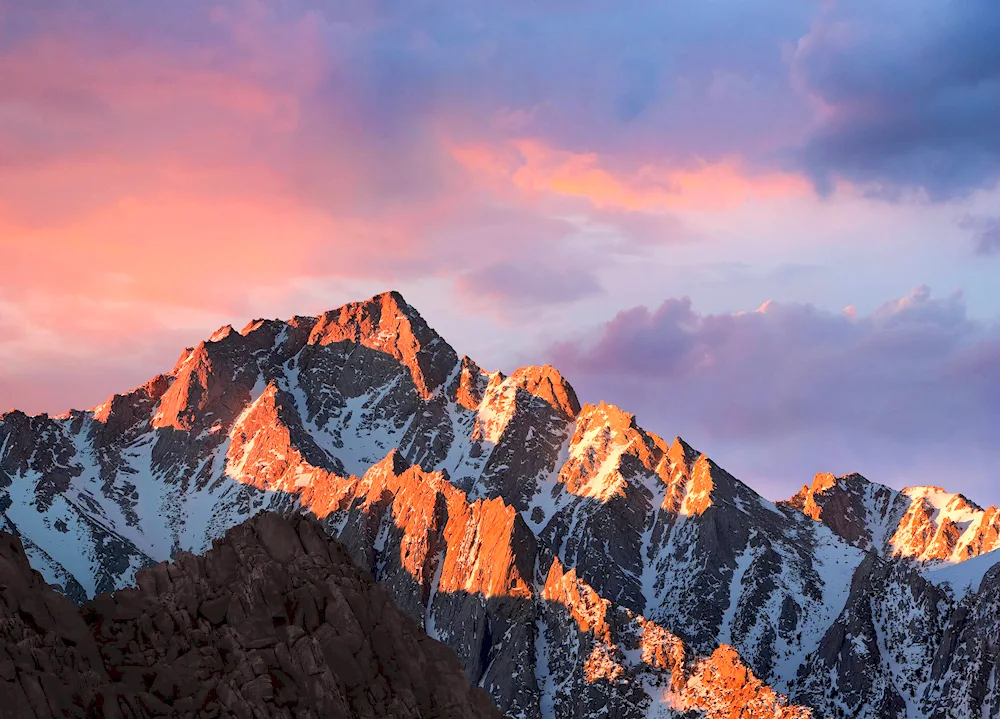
964,669
596,654
924,524
904,645
496,510
275,621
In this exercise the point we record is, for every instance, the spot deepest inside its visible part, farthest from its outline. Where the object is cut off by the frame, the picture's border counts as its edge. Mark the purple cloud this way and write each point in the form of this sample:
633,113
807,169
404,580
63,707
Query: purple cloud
985,233
527,283
910,94
789,389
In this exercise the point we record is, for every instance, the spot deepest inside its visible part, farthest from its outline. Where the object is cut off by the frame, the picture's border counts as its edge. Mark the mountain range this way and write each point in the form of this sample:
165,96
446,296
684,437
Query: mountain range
577,564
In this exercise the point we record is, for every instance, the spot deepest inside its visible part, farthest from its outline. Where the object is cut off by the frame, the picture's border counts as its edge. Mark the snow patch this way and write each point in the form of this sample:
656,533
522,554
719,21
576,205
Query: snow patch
966,577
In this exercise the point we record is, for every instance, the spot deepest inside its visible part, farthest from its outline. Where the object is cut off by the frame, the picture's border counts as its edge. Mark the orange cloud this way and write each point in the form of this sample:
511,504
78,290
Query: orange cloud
534,168
152,190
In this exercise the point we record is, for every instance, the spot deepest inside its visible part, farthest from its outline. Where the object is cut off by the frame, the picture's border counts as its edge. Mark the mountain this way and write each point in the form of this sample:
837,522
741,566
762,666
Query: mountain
927,525
577,564
275,620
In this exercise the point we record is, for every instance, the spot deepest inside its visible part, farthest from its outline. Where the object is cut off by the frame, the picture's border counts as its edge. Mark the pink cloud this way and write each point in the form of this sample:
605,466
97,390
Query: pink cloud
154,183
535,167
147,184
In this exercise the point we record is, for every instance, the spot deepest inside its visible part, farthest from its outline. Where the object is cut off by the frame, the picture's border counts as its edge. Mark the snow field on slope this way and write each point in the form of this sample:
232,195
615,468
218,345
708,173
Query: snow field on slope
963,578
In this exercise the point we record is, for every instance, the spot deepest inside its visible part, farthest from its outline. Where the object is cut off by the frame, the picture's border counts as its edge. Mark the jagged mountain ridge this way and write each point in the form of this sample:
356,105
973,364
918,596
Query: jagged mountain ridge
925,524
459,489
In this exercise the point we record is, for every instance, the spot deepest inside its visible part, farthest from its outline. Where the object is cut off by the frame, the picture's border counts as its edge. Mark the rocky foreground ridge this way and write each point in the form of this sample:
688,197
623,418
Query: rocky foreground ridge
577,564
274,621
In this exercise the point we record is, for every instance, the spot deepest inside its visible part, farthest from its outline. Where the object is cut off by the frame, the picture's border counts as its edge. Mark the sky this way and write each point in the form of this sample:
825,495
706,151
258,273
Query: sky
771,228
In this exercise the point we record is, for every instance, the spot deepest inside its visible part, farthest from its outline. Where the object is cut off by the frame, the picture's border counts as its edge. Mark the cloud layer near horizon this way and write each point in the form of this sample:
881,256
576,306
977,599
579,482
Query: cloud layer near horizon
908,391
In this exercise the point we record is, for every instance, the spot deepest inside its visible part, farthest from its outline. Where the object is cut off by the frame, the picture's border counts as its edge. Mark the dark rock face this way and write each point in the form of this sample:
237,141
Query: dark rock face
459,490
904,647
860,511
870,664
48,656
274,621
963,673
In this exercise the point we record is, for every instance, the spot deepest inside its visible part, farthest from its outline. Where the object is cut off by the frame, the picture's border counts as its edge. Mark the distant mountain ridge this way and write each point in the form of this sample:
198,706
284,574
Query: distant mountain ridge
473,496
925,524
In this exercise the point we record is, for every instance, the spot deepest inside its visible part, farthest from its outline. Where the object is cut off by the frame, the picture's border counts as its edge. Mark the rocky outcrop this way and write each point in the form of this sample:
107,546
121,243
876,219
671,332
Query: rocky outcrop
940,527
871,663
597,654
860,511
49,660
963,676
926,525
388,325
274,621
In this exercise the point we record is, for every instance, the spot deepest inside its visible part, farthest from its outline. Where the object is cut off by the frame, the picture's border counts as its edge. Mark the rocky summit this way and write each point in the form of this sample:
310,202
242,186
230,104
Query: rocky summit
576,564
